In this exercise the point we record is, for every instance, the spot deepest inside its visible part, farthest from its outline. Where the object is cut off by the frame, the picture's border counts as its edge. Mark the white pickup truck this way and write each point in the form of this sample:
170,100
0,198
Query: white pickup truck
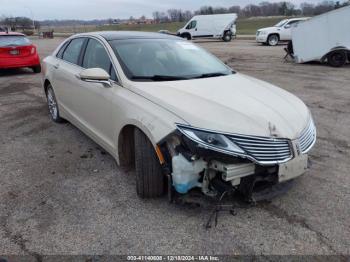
279,32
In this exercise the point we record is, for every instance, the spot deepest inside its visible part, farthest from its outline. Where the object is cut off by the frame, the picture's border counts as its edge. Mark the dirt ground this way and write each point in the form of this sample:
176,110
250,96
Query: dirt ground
60,193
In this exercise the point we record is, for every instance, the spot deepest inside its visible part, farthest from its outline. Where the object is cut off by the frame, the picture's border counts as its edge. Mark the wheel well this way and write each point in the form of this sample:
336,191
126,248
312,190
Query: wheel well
185,34
336,49
126,146
46,84
274,34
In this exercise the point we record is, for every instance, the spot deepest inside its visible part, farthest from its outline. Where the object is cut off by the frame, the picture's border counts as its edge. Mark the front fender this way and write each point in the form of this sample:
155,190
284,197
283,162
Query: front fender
153,120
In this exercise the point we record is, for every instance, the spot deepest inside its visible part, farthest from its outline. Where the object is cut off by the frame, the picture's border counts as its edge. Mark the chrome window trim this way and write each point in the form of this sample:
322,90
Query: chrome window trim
80,67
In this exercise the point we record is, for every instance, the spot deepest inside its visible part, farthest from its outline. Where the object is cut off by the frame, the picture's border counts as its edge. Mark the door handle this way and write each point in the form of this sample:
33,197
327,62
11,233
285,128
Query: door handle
56,66
196,29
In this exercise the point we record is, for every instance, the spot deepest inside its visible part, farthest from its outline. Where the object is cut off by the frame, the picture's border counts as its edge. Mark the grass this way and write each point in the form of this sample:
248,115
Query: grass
247,26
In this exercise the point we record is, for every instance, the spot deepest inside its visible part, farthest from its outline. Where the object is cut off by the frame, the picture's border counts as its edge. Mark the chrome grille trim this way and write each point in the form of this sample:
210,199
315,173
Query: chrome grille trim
307,139
261,150
264,150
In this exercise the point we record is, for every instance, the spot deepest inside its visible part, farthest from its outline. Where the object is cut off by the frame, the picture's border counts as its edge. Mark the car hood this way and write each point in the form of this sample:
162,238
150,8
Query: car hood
232,104
268,29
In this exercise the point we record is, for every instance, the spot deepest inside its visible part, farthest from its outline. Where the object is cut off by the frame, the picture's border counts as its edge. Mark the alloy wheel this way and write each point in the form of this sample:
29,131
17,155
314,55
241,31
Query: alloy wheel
273,40
51,101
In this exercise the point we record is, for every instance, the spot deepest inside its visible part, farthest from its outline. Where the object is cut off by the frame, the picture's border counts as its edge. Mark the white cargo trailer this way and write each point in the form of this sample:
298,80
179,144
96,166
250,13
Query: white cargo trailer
222,26
323,38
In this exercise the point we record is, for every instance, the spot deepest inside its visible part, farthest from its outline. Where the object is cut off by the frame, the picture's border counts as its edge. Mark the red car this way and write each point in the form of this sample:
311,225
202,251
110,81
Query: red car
17,51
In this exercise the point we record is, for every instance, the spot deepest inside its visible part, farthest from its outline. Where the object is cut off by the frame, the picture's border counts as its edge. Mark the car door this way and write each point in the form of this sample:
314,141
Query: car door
93,101
192,28
66,67
286,32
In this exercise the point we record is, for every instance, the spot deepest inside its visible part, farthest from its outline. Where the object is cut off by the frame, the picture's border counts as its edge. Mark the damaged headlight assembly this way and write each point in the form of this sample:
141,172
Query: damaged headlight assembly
211,140
186,171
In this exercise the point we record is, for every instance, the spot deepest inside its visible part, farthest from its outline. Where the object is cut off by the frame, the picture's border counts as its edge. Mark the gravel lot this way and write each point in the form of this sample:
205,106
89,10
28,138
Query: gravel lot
60,193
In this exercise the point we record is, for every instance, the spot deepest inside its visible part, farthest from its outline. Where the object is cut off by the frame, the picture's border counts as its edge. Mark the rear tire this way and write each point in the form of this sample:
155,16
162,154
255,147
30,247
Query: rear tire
337,58
37,69
227,37
53,106
149,176
273,40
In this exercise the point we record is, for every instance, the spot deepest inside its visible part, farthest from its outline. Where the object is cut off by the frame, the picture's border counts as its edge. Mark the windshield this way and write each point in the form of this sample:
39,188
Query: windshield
166,60
281,23
14,40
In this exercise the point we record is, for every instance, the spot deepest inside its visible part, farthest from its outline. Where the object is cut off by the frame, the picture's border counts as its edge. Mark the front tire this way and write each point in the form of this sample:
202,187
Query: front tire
36,69
149,177
273,40
337,58
186,36
52,105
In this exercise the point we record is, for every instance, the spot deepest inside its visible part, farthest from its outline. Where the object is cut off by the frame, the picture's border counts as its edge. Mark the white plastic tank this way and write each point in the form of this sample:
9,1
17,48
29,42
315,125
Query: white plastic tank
186,174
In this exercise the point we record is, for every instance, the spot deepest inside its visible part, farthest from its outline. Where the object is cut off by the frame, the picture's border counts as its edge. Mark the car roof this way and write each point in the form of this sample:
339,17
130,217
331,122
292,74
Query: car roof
299,18
122,35
11,33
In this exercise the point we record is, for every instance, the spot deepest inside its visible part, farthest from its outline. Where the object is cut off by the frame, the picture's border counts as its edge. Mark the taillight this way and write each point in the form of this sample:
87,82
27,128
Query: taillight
32,51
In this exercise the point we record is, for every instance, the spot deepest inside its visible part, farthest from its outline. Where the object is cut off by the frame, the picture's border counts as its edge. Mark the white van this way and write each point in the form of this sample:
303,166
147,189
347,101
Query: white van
221,26
323,38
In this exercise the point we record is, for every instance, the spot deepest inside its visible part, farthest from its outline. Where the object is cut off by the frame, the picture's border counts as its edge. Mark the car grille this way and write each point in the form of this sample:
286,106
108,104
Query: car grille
263,149
307,138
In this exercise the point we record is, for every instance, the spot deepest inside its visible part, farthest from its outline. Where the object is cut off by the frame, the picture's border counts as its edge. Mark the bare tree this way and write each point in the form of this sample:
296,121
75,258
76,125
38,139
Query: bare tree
156,16
307,8
234,9
175,15
323,7
187,15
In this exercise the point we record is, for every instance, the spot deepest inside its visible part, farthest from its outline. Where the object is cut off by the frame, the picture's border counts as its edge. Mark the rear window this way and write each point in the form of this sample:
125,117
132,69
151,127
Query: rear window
14,40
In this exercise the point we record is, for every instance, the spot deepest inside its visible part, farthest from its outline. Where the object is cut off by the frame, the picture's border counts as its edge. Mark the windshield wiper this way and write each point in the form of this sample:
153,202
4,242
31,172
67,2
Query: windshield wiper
211,75
159,78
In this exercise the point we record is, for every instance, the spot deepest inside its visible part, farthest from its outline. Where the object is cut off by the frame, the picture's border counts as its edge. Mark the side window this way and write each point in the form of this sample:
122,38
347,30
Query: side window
192,25
60,53
96,56
290,24
72,52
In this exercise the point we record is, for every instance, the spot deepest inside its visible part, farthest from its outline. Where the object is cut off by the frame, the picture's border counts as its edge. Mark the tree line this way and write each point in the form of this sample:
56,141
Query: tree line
19,22
178,15
263,9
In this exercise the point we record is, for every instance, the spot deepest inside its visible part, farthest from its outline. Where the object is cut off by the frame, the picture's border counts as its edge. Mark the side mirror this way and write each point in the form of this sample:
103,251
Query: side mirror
287,26
95,75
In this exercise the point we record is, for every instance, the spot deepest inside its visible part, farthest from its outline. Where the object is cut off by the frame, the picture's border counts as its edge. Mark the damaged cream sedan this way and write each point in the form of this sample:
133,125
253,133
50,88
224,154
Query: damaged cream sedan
177,114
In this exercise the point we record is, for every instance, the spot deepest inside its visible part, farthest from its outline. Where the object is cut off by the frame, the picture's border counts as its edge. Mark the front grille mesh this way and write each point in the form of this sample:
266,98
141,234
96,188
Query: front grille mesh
263,149
307,137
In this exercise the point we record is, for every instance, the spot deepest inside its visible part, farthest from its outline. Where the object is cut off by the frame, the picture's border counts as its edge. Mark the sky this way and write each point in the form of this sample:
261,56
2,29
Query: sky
100,9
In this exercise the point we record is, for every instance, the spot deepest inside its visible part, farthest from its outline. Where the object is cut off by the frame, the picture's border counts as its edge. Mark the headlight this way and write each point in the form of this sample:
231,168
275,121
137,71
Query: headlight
263,32
211,140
